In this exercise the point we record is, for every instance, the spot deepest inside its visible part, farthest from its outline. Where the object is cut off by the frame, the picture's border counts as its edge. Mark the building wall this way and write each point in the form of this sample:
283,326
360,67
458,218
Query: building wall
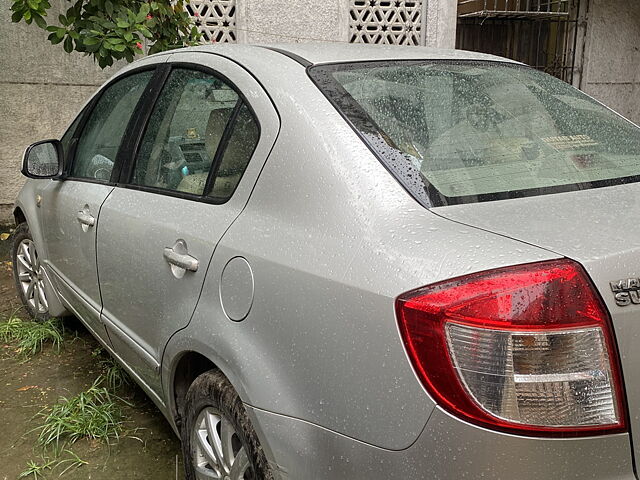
271,21
41,90
611,62
279,21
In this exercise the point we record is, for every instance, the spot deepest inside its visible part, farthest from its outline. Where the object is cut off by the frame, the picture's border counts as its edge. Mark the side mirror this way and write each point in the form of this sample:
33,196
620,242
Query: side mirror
43,160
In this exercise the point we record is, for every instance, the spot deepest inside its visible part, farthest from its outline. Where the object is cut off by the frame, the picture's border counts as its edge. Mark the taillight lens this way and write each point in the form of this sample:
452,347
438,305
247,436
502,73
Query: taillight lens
527,349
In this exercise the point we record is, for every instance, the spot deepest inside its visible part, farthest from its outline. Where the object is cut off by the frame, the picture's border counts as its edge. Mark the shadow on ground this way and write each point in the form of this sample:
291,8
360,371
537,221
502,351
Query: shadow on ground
28,387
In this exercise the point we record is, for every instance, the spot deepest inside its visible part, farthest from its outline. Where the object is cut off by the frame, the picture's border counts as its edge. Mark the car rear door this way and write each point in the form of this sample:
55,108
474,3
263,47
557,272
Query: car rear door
70,208
188,178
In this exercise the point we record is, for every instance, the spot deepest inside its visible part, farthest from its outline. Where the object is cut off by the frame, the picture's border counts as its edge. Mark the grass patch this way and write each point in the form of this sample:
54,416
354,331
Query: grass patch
36,470
93,414
69,460
114,375
31,337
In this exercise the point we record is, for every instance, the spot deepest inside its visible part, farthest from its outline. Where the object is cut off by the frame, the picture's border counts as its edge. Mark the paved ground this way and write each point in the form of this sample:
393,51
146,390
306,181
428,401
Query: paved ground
27,387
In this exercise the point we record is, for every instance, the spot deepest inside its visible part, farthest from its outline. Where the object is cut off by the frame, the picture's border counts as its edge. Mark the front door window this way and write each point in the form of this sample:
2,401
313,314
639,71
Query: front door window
106,126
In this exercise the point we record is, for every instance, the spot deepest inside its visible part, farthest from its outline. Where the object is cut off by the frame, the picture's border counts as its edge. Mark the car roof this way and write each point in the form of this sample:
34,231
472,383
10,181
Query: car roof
330,52
336,52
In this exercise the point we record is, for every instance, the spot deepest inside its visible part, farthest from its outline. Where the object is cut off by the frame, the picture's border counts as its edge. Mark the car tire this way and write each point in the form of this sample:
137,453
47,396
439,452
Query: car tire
28,274
214,409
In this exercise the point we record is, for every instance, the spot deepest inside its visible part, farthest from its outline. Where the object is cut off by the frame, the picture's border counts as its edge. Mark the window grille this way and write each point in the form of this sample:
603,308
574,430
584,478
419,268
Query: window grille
540,33
396,22
531,9
216,19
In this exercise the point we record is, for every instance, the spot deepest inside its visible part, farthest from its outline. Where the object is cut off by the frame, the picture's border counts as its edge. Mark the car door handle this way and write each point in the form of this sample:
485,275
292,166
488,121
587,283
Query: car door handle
179,259
86,218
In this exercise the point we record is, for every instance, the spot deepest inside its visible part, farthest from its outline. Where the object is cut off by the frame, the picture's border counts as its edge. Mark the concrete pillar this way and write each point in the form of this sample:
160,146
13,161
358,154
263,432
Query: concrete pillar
441,23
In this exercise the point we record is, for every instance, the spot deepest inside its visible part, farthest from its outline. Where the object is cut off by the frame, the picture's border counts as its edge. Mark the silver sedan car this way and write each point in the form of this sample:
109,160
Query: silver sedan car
352,262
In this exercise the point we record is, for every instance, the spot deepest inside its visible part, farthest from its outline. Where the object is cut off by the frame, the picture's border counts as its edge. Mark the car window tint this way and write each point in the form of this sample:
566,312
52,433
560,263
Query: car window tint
237,153
184,132
101,137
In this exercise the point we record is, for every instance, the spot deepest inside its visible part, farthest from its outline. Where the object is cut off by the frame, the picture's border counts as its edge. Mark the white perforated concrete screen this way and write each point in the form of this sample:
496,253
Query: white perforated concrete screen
396,22
216,19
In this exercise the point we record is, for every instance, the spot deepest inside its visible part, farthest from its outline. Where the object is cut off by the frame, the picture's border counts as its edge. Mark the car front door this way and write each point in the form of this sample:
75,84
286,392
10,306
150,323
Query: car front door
70,208
190,175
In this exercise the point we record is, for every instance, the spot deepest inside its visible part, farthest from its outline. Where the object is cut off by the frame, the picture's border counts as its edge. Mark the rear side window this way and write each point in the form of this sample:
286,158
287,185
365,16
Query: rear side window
237,153
199,138
104,130
461,132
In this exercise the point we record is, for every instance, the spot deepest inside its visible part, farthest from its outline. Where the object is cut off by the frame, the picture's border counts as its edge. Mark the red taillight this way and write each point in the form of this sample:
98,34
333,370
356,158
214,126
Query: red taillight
527,349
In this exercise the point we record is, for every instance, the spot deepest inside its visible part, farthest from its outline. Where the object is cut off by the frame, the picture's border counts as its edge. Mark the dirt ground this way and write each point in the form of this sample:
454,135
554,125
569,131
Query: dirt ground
28,387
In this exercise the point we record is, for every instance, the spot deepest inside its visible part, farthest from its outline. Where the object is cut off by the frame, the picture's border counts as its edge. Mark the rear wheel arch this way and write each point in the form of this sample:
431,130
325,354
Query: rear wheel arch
215,415
189,366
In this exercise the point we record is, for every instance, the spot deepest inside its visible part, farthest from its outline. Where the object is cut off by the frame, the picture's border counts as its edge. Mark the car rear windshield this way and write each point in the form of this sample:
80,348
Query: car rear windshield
462,132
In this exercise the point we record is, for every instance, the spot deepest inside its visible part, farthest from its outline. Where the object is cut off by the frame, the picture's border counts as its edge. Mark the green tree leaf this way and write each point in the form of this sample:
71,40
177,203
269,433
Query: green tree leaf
91,48
90,41
145,31
109,30
54,39
68,44
39,21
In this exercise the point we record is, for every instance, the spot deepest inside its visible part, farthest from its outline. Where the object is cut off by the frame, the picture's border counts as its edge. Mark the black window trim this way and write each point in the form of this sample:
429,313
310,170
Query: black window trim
66,153
126,174
138,120
319,75
70,158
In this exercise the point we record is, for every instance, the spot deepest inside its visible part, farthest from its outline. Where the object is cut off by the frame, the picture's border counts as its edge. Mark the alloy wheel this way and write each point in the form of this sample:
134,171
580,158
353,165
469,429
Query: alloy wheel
217,450
31,276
